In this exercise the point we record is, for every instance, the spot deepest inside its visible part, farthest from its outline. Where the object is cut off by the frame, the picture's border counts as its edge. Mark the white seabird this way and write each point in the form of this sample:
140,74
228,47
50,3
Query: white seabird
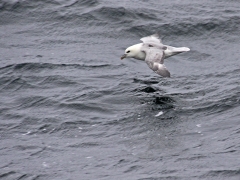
153,52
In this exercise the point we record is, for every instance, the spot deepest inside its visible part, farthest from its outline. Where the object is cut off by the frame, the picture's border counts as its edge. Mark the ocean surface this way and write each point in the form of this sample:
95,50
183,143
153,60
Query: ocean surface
70,109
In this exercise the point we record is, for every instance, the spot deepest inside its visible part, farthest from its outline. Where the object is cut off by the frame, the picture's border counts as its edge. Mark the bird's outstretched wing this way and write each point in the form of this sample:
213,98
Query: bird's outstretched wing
154,51
154,59
151,39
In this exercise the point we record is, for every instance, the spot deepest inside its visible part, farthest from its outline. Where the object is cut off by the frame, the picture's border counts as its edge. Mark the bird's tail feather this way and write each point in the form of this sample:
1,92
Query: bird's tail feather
181,49
171,51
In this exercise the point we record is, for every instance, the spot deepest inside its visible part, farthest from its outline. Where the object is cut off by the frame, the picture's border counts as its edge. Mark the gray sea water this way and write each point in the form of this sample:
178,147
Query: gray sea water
71,109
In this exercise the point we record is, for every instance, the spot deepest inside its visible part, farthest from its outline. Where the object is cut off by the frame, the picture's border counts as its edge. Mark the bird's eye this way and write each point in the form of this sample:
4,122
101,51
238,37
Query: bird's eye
128,51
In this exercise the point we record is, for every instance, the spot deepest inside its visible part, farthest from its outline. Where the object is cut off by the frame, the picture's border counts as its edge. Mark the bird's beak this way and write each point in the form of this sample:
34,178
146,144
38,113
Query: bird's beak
123,56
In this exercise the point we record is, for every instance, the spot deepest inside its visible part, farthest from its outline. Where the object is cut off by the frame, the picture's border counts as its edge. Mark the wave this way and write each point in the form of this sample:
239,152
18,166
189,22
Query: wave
39,66
203,27
140,21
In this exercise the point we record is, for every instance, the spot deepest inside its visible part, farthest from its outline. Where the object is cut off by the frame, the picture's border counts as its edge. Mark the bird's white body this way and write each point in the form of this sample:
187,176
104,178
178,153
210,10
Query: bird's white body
153,52
170,51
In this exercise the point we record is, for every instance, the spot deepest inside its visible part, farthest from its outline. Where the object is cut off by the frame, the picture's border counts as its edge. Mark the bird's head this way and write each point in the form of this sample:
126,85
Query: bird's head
131,52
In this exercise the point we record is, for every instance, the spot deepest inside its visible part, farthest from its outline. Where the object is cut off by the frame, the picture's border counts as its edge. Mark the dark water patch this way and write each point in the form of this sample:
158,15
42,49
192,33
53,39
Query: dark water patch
133,168
20,176
163,103
24,176
227,173
39,66
85,3
195,157
148,90
26,148
163,100
95,65
46,128
6,67
148,82
74,124
85,145
7,174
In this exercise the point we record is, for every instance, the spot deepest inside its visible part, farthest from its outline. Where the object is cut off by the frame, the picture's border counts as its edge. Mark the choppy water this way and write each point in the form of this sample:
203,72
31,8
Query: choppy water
71,109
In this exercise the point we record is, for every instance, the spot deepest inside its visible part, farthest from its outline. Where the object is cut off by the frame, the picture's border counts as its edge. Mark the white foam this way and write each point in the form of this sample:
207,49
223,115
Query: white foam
159,114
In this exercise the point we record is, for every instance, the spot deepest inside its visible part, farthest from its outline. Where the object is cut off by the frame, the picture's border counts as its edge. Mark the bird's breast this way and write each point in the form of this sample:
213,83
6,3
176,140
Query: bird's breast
141,55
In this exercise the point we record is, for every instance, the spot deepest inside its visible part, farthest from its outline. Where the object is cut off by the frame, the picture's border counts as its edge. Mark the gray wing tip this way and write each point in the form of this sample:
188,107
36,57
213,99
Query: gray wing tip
164,73
160,69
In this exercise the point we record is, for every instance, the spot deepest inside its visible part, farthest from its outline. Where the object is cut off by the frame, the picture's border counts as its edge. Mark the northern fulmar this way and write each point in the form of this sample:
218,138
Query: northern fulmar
153,52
